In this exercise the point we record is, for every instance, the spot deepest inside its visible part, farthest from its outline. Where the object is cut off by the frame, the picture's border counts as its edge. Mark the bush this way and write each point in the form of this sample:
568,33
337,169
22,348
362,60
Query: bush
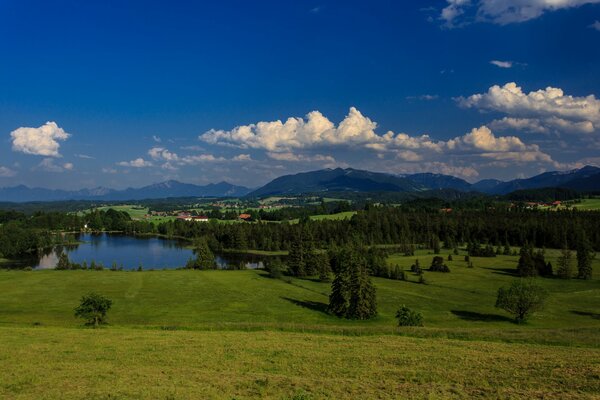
275,269
93,308
522,298
437,265
407,317
416,267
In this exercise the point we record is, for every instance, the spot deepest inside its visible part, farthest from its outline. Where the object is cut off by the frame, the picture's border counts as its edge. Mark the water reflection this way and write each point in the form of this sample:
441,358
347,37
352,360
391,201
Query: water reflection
131,253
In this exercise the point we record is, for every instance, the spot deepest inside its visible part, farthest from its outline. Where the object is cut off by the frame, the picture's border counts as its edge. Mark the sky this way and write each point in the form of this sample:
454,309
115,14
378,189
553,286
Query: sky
129,93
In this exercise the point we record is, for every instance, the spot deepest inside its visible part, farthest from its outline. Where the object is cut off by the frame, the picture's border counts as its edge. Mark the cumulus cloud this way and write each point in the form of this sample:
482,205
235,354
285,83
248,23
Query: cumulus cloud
545,126
483,142
290,140
549,108
242,157
291,157
7,172
41,141
502,12
47,164
137,163
164,154
595,25
294,133
502,64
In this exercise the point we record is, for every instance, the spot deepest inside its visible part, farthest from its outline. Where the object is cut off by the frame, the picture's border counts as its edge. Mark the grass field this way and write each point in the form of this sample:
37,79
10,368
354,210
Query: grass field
321,217
588,204
239,334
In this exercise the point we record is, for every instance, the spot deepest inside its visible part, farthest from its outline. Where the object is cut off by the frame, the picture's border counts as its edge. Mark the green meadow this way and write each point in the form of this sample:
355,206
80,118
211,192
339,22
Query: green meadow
183,334
588,204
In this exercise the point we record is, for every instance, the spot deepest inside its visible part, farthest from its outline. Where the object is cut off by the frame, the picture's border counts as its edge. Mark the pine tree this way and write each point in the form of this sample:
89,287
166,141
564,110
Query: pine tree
352,295
205,259
526,265
63,261
565,268
363,302
585,255
296,258
338,299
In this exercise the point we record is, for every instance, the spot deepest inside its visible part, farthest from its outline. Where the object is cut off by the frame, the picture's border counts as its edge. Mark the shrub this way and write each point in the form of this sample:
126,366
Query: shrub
93,308
437,265
408,317
276,269
416,267
522,298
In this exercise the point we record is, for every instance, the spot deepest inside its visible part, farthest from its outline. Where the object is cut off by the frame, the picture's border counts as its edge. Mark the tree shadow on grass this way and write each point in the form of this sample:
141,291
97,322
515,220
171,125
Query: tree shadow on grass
475,316
503,271
311,305
586,314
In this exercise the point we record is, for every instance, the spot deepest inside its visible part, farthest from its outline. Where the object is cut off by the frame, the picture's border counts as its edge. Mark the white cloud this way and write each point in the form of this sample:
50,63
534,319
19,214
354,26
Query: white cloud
163,154
550,107
290,141
41,141
595,25
137,163
84,156
291,157
109,170
502,12
47,164
294,133
7,172
160,153
546,125
482,140
530,125
502,64
157,139
453,10
408,155
424,97
242,157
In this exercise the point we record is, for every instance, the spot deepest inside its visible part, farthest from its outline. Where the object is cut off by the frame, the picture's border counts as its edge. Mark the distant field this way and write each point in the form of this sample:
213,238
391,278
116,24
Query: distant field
588,204
135,212
321,217
342,215
239,334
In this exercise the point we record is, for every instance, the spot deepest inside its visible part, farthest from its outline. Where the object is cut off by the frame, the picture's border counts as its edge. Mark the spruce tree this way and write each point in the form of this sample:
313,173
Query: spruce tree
585,255
338,299
363,302
565,267
526,265
296,258
205,259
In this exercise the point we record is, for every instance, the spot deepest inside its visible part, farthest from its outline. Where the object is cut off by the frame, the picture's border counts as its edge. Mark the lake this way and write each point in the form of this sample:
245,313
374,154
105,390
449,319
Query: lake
131,252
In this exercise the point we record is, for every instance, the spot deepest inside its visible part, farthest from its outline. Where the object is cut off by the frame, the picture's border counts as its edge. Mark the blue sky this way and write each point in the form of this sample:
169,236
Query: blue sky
128,93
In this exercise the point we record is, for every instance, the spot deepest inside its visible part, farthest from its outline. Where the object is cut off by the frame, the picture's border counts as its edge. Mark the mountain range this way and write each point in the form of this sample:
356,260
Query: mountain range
586,179
337,180
165,189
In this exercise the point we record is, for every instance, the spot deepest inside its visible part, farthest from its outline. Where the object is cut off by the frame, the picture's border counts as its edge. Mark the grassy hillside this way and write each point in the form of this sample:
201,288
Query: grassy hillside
47,363
239,334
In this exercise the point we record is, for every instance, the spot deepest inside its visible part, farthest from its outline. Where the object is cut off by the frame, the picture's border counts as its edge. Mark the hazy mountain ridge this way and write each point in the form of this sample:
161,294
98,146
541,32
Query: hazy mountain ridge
166,189
586,179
